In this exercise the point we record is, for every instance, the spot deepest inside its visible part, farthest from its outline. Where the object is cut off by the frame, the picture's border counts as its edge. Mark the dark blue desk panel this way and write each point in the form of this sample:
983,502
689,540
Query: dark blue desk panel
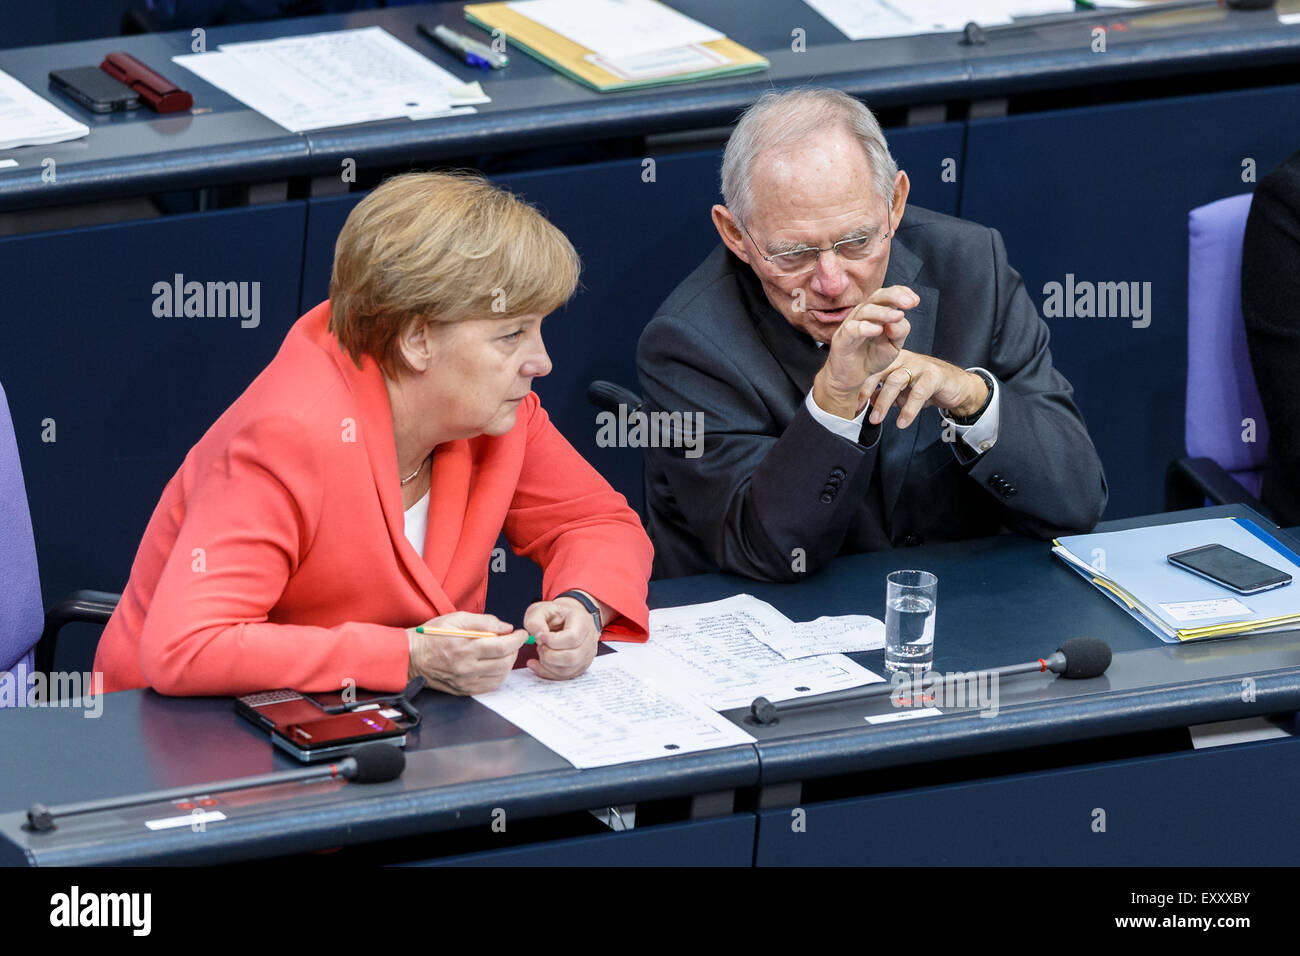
463,763
727,841
1226,806
1103,194
140,151
128,392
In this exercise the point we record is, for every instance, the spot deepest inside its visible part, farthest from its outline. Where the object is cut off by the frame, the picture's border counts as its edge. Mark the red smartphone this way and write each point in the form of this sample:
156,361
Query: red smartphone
328,737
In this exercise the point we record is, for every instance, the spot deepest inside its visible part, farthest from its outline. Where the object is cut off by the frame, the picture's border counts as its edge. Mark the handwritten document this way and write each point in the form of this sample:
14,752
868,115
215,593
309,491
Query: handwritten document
873,19
719,653
333,79
660,698
613,713
842,634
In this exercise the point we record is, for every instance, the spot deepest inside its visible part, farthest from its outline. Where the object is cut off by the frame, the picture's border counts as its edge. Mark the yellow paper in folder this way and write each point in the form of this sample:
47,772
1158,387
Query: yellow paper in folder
604,60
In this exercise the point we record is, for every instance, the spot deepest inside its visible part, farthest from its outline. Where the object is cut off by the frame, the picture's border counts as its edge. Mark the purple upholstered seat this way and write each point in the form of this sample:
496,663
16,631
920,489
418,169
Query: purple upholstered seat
21,614
1221,390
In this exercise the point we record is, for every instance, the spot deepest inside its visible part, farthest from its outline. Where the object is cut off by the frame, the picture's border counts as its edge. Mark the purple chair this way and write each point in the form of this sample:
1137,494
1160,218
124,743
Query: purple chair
1221,465
21,612
28,635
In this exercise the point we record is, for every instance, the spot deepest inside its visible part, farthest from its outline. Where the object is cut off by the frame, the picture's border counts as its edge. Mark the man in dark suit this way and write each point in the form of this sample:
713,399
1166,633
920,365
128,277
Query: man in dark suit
828,303
1270,289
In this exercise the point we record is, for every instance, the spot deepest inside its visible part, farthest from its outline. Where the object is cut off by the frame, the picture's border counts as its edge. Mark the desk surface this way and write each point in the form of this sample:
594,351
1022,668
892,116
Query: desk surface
1001,600
140,153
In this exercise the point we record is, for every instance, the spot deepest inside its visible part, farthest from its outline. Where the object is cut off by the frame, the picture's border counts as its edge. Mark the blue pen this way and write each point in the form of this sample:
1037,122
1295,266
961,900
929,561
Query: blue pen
474,53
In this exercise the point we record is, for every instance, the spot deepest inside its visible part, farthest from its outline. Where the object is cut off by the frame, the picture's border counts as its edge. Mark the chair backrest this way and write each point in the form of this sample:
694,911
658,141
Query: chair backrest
1221,391
21,614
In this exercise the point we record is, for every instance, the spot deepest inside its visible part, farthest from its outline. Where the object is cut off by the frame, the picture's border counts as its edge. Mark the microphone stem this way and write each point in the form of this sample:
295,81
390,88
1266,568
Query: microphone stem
262,780
878,690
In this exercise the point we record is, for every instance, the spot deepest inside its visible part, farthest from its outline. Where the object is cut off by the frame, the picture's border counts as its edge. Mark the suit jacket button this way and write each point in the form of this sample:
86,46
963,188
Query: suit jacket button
834,480
839,473
827,497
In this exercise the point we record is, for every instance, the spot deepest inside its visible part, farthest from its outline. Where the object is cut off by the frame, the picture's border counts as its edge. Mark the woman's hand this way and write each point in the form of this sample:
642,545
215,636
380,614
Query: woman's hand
566,636
464,665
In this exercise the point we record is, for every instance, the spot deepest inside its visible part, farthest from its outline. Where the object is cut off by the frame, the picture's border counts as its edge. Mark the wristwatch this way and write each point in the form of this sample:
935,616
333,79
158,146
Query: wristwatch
973,418
586,602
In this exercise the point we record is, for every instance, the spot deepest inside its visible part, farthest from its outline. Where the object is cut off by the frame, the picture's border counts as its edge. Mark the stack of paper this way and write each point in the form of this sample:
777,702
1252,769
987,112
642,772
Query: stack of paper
728,652
30,120
610,714
1132,568
661,698
333,79
873,19
616,44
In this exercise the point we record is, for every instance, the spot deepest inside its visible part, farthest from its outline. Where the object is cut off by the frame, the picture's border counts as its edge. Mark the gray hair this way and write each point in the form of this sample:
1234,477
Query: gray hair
780,120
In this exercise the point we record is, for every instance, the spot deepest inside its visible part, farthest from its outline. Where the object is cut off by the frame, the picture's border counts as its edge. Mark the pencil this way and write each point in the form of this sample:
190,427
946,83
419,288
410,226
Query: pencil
456,632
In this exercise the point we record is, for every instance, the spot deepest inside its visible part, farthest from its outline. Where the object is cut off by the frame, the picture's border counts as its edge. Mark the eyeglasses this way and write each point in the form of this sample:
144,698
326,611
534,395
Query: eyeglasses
798,261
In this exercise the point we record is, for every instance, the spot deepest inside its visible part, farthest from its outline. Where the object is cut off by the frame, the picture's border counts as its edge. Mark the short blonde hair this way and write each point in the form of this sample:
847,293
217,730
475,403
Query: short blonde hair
442,247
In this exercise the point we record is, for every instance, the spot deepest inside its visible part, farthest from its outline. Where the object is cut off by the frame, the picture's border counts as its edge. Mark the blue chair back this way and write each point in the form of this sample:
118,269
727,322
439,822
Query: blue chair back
1221,390
21,610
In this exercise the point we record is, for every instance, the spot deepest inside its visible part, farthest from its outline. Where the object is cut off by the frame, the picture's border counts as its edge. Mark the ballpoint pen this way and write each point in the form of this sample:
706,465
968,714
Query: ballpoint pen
473,52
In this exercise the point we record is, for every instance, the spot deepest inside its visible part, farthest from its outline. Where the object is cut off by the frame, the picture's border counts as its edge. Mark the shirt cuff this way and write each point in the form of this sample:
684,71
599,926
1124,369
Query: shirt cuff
844,427
981,435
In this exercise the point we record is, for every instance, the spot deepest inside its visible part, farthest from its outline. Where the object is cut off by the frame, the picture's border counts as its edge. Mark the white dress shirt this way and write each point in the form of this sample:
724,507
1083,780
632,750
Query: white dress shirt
417,522
979,436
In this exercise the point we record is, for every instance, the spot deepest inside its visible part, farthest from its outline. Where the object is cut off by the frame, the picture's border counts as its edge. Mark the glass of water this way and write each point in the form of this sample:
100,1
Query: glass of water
910,598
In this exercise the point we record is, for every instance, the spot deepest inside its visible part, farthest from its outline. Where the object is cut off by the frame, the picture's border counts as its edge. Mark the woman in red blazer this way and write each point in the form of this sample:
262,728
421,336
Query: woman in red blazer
358,486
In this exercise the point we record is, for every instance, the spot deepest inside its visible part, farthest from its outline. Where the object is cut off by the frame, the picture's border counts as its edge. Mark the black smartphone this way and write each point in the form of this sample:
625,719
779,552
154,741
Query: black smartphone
1232,569
94,89
335,735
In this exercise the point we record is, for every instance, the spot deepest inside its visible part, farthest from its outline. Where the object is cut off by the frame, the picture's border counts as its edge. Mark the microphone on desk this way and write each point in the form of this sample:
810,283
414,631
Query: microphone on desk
373,763
974,35
1079,658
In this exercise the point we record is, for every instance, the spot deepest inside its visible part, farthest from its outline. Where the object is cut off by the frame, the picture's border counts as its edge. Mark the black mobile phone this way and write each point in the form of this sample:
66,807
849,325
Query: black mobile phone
1232,569
332,736
94,89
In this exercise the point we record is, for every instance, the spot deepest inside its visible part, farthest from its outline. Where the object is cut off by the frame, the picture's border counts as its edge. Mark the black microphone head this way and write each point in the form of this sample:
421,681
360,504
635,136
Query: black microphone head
39,818
378,763
763,710
1085,657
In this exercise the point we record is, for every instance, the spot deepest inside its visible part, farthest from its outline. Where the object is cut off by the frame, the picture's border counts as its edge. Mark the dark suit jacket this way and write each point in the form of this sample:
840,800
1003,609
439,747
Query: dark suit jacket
1270,291
775,495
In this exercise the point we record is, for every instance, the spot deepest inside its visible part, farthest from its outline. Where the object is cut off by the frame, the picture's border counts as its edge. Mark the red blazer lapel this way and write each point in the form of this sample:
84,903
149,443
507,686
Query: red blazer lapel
449,482
376,432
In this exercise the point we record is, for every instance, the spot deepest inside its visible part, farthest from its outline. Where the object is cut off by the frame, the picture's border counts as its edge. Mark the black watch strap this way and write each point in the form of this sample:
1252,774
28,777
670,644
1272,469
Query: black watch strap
588,603
988,399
